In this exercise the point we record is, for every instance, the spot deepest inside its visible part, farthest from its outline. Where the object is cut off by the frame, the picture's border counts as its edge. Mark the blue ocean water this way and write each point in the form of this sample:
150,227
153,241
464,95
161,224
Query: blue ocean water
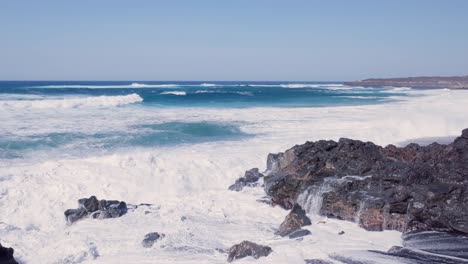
70,117
211,94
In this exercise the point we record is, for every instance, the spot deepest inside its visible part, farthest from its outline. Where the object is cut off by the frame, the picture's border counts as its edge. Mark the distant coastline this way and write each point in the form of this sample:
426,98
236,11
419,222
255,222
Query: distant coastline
433,82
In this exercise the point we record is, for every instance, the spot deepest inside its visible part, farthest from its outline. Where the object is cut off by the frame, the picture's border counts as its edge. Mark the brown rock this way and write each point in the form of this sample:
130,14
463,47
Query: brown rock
247,248
296,219
371,219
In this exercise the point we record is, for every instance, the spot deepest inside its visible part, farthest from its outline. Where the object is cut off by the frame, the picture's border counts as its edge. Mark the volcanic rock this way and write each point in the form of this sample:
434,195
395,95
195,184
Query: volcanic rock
151,238
406,189
250,178
418,248
6,255
296,219
94,208
299,233
247,248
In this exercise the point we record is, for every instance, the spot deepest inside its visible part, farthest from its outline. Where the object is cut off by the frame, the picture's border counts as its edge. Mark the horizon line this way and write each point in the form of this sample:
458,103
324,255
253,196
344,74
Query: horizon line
164,81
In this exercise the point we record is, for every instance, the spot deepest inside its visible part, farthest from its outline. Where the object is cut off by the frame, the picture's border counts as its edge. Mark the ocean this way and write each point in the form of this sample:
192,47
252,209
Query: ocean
178,146
79,105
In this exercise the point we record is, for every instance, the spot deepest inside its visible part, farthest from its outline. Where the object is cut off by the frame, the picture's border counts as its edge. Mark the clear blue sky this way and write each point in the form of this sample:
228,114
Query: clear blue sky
231,40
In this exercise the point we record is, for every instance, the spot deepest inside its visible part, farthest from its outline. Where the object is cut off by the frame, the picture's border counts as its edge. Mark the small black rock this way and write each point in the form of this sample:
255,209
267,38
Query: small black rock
151,238
94,208
299,233
6,255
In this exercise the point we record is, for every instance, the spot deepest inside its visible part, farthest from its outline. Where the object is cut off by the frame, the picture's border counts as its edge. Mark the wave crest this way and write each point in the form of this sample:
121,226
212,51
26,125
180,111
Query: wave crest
223,92
208,85
133,85
180,93
95,101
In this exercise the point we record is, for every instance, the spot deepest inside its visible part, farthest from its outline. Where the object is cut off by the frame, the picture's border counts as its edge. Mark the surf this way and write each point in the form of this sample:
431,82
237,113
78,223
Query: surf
95,101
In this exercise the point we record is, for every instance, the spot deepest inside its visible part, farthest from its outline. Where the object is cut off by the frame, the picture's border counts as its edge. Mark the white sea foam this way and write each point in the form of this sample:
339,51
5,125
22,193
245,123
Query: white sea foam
209,85
118,86
392,89
175,92
301,85
94,101
361,97
191,181
223,92
336,86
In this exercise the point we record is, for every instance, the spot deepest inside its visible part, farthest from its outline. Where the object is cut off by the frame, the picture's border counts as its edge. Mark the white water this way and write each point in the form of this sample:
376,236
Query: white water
206,85
94,101
132,85
192,181
223,92
180,93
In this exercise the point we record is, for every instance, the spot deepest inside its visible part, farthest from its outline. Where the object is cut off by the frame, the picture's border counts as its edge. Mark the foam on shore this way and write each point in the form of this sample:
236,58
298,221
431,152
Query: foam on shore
191,181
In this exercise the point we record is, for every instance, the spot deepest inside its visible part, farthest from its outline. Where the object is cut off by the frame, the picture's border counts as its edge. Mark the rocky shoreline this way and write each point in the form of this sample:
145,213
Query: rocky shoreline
455,82
421,191
415,188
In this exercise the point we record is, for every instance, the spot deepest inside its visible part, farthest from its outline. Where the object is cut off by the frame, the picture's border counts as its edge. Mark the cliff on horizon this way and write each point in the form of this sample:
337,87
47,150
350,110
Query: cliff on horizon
455,82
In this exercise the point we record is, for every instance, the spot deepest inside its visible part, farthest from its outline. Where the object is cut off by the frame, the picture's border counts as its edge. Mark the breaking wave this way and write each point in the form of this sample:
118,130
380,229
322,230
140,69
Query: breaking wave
94,101
133,85
224,92
181,93
209,85
325,86
332,86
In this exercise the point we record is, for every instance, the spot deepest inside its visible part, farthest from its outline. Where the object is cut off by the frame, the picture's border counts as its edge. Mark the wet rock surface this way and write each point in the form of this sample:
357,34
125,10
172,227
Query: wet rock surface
413,188
447,244
93,208
6,255
296,219
250,178
247,248
317,261
418,248
151,238
299,233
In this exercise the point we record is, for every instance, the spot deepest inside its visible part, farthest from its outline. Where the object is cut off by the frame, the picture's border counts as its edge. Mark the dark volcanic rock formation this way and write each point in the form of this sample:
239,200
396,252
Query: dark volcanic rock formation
299,233
456,82
151,238
247,248
6,255
411,188
296,219
453,245
94,208
250,178
418,248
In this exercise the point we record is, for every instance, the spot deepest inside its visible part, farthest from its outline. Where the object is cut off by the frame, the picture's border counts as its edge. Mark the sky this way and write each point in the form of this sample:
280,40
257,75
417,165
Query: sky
232,40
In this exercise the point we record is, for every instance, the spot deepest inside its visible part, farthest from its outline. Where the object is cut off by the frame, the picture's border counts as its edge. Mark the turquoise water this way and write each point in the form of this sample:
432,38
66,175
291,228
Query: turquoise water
146,135
77,118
